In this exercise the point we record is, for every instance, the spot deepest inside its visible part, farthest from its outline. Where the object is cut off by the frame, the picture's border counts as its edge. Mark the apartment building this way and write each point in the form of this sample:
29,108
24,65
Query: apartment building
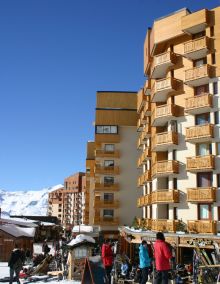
111,173
178,126
68,203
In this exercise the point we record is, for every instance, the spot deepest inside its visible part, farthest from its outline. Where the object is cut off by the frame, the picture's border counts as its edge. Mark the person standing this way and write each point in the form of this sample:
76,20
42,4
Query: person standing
145,262
162,254
15,264
107,258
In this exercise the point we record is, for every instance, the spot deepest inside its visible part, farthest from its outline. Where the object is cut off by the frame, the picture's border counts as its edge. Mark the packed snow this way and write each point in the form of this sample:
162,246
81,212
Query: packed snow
29,203
80,239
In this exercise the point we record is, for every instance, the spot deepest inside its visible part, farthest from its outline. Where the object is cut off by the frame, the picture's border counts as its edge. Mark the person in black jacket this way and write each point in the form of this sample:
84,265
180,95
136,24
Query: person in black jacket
15,263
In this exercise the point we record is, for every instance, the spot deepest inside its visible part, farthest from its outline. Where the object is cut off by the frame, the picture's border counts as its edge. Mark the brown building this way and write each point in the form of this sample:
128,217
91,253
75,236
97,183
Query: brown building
67,203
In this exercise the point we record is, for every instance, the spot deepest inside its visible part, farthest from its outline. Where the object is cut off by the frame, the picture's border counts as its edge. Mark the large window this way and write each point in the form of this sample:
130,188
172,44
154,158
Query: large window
204,179
205,211
106,129
202,118
108,181
203,149
108,213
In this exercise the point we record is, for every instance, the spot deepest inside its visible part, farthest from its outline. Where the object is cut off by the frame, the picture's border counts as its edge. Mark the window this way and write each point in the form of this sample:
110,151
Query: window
174,154
218,148
218,180
215,88
200,62
198,35
173,124
108,163
213,58
202,118
204,179
218,213
108,197
108,180
216,117
212,31
205,211
175,217
108,213
203,149
201,90
106,129
109,147
174,183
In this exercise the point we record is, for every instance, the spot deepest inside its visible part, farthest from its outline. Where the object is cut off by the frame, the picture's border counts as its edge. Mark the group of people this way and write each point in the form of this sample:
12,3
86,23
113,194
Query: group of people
162,255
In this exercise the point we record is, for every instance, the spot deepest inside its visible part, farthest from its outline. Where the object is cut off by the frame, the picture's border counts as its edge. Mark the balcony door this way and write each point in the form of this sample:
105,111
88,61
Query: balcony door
205,211
198,91
204,179
203,149
202,118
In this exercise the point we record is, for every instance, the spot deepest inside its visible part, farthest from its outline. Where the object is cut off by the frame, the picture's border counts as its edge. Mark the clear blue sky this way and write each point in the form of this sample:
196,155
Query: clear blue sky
54,56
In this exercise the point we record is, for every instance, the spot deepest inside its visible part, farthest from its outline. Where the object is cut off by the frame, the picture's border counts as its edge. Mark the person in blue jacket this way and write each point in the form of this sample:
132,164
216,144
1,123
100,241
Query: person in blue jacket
145,262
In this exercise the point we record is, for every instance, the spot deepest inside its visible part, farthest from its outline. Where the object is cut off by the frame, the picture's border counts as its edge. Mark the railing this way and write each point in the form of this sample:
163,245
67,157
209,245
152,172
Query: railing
200,131
164,225
200,163
141,98
198,72
169,196
144,156
106,186
165,138
106,221
196,102
202,226
104,153
196,45
201,194
164,84
164,111
165,167
106,204
163,58
107,170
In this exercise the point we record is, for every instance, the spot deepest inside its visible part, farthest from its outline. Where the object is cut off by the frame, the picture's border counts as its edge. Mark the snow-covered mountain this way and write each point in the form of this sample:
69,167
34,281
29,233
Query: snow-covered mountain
30,203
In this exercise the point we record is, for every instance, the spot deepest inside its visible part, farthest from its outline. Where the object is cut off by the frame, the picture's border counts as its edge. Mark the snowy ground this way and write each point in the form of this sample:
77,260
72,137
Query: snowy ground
4,272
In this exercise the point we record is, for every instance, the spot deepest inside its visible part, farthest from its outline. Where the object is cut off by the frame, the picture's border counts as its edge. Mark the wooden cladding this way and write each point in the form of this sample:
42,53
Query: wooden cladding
108,154
199,75
196,103
163,168
162,113
114,170
164,225
144,178
159,197
106,221
106,187
143,102
106,204
200,163
144,157
199,132
197,48
202,226
107,138
201,194
164,139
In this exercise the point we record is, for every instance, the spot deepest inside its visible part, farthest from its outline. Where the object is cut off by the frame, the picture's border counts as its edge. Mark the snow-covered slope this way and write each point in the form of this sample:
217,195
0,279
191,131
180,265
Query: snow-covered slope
26,202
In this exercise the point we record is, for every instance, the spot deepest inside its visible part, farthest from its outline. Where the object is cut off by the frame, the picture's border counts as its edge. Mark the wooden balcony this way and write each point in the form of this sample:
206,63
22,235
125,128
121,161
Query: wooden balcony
144,178
111,170
200,133
106,204
162,225
202,226
143,102
145,156
139,143
165,168
162,114
195,22
198,104
106,187
165,140
161,63
106,221
162,88
147,87
107,154
144,200
197,48
198,76
165,196
200,163
201,194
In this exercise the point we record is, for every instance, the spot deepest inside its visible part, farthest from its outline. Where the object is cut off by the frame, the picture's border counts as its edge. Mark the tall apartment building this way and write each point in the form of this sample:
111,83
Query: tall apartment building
68,202
111,173
179,133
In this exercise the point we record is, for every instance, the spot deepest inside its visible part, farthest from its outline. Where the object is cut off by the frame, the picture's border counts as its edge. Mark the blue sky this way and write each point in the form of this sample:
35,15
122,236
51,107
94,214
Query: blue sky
54,56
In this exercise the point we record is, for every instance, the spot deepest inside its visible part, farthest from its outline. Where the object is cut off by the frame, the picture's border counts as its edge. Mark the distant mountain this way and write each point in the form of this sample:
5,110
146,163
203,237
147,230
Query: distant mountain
30,203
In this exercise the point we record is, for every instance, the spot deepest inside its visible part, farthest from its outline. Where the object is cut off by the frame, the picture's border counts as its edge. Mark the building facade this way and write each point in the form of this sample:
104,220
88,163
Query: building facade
178,126
111,173
68,203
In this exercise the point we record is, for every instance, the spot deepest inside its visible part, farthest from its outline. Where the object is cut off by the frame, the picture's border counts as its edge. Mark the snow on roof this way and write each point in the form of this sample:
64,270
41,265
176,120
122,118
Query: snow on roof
81,239
82,228
19,221
18,231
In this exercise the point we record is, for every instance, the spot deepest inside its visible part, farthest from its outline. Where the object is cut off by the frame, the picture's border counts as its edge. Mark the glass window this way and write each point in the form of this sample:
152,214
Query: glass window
204,179
109,163
213,58
106,129
215,88
99,129
109,147
218,180
205,211
174,183
200,62
199,90
204,149
218,148
216,117
108,180
108,197
202,118
114,129
108,213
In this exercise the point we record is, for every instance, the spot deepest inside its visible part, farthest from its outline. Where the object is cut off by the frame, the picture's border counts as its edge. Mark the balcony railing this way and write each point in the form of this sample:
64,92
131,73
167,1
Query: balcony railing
161,63
162,88
106,204
164,225
146,155
161,114
202,226
199,75
114,170
200,133
201,194
141,98
162,141
197,48
144,200
108,154
199,104
164,168
106,221
144,178
200,163
169,196
106,187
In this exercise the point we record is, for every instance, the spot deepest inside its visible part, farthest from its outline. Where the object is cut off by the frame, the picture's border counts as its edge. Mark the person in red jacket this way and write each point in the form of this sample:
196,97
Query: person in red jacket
162,255
107,258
